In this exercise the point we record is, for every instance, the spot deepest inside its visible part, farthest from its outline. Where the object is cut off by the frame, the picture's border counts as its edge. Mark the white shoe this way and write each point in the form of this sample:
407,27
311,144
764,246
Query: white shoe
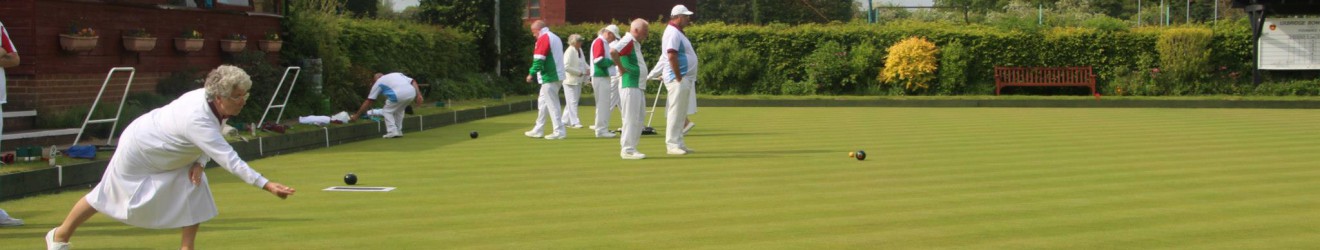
10,222
607,135
688,127
532,134
632,156
556,136
391,136
52,245
575,126
677,151
592,127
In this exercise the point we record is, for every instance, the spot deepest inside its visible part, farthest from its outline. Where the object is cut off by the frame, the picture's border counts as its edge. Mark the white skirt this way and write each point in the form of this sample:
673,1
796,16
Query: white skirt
149,198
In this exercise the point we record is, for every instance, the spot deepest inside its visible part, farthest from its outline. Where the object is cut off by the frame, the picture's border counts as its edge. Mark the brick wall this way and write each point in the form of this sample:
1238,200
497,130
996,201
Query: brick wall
59,91
51,78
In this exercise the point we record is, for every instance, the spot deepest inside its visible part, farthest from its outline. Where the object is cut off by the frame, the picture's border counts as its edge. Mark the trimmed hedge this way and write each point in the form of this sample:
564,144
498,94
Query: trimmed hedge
783,51
352,50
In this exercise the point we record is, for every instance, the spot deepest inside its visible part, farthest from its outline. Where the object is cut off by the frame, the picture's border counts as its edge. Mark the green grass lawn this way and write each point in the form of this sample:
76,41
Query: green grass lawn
774,178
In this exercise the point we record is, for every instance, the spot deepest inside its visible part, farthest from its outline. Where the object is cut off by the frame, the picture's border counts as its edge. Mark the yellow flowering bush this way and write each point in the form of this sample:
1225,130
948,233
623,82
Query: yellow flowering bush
911,62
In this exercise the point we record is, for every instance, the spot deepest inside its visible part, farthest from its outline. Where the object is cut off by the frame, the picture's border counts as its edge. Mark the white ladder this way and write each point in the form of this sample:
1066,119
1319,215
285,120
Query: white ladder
115,121
297,71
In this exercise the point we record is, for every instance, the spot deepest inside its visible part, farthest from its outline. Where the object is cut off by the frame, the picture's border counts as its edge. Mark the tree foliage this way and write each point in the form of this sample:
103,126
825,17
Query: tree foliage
362,8
784,11
477,17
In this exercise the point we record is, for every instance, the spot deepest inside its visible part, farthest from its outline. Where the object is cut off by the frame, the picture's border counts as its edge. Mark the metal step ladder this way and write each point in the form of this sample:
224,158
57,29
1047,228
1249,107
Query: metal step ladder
115,120
296,72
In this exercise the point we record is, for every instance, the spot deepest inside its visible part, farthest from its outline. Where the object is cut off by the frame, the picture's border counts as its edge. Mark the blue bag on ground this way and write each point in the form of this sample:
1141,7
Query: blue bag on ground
82,151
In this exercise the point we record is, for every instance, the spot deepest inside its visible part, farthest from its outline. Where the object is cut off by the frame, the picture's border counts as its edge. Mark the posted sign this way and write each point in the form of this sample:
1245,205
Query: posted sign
1290,44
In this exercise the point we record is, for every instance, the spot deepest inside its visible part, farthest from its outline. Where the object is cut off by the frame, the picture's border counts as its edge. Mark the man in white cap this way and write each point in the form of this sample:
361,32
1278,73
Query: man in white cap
679,78
602,73
548,69
628,58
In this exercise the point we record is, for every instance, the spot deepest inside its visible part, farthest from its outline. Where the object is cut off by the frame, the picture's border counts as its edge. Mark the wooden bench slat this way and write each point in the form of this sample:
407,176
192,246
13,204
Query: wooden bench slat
1044,77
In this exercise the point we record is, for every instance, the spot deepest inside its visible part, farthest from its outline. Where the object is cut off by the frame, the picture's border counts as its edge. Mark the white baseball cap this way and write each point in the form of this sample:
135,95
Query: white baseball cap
680,10
613,29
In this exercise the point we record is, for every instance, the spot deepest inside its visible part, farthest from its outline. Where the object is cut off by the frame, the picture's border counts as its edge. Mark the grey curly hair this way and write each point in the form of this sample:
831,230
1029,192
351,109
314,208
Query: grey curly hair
224,79
575,38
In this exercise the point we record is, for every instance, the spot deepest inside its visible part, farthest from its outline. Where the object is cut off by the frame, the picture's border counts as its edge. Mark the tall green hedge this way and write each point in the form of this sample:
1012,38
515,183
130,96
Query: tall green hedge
352,50
781,51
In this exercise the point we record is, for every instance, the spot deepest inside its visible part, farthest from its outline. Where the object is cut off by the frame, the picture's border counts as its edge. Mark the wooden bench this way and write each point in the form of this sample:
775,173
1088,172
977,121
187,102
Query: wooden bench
1044,77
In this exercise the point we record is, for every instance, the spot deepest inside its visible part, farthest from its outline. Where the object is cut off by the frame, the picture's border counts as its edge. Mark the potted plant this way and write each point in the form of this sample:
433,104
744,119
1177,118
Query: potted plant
139,40
272,43
78,38
189,41
233,43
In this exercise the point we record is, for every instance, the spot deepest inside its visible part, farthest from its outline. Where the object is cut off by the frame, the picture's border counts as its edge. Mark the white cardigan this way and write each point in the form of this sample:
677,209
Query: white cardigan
575,66
146,182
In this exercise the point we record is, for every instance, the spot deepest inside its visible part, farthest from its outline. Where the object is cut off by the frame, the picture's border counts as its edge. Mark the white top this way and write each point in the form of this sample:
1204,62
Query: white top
6,46
575,66
146,182
395,86
675,40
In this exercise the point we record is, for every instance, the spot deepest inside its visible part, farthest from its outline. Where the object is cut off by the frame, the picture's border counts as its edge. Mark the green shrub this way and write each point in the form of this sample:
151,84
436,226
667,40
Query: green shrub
864,62
953,68
1289,88
467,86
351,50
771,81
826,67
798,88
728,68
1106,23
1185,53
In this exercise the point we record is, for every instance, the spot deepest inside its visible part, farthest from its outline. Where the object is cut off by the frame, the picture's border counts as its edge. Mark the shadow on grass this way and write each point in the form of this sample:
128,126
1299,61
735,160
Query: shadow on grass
115,228
416,141
718,134
733,154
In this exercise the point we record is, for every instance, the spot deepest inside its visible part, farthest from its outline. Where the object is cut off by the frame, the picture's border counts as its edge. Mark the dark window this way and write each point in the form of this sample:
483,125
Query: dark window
534,9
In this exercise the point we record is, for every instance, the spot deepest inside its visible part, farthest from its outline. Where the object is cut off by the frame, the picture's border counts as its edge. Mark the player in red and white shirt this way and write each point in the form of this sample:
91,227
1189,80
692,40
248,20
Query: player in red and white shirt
547,69
603,79
9,58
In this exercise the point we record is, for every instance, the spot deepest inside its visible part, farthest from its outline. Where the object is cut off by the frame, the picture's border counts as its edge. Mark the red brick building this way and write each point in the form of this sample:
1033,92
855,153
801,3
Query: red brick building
52,78
557,12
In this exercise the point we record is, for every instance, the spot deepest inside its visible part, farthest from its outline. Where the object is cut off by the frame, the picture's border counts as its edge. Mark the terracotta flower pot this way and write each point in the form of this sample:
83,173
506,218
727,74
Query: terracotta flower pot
233,46
139,44
270,46
188,44
78,43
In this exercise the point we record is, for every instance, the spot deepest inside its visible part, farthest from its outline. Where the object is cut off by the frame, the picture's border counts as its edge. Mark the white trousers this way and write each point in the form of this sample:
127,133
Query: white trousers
571,95
677,104
614,97
606,92
393,114
548,105
632,106
692,100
